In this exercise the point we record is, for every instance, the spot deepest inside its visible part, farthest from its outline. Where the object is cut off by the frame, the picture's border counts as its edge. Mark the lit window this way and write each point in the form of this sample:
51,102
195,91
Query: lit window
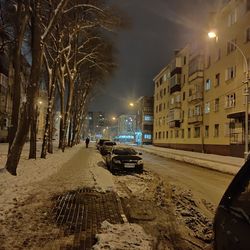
148,118
208,84
230,73
148,136
207,107
230,101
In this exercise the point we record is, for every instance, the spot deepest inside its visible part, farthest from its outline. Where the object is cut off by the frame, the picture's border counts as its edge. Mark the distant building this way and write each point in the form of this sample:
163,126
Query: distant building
144,120
127,128
95,123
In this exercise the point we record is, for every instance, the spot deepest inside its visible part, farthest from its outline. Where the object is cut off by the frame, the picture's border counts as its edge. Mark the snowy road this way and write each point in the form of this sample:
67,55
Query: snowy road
204,183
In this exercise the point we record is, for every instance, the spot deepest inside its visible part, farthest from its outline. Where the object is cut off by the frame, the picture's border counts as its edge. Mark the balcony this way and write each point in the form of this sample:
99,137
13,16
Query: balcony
175,66
199,74
195,97
195,119
175,105
175,83
174,115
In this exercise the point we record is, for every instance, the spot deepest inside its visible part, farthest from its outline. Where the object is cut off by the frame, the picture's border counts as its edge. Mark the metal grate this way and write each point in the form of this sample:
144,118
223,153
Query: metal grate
79,215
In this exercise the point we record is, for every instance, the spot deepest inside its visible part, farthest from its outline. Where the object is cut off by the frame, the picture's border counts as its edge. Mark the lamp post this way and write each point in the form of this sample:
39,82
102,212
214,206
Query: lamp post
133,105
212,35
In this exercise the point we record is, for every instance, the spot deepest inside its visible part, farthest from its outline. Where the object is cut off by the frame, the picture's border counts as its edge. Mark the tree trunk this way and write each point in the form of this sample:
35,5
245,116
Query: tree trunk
17,145
50,141
70,133
49,117
20,27
29,110
61,134
33,134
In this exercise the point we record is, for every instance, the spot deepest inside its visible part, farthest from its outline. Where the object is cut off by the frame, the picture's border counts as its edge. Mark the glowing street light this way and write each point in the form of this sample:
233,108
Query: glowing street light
131,104
212,35
113,118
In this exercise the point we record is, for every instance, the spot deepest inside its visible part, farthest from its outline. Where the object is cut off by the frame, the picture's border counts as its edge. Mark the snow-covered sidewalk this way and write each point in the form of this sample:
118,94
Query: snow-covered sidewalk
225,164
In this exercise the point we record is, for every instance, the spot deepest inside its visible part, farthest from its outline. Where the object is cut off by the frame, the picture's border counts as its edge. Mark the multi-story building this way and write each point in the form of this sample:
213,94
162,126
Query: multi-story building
144,120
199,96
127,128
95,124
224,118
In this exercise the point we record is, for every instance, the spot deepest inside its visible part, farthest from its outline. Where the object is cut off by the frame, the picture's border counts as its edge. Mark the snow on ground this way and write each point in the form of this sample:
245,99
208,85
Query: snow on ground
29,172
122,236
224,164
25,198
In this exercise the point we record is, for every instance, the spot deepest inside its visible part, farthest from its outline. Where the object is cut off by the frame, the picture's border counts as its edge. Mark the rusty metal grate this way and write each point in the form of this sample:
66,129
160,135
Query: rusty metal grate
79,215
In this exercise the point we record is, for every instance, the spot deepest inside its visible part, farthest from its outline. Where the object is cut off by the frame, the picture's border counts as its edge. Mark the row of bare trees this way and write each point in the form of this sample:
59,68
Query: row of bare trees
67,46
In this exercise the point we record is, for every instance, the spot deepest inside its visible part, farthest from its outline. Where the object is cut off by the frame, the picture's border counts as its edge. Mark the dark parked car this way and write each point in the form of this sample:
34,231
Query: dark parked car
232,219
124,159
100,143
107,147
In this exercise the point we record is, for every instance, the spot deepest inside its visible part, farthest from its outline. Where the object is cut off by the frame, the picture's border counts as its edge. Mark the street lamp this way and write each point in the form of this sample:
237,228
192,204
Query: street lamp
211,35
131,104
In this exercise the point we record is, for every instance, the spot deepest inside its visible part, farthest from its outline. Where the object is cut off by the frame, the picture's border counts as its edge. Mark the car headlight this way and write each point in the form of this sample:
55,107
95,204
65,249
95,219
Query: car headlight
116,161
140,162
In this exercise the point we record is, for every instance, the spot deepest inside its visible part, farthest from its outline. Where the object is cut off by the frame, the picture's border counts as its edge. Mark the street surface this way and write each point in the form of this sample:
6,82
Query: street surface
206,184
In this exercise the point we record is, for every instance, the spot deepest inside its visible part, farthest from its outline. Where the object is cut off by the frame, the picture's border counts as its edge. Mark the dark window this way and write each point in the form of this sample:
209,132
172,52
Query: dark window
217,79
183,97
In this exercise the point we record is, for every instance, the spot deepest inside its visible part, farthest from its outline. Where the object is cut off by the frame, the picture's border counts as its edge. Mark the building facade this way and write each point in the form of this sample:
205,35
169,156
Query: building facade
144,120
199,101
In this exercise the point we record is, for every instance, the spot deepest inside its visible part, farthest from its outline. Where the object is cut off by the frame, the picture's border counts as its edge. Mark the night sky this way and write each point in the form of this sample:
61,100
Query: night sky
158,27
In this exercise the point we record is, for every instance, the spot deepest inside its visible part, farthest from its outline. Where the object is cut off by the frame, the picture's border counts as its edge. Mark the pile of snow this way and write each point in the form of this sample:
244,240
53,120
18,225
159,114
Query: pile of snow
224,164
122,236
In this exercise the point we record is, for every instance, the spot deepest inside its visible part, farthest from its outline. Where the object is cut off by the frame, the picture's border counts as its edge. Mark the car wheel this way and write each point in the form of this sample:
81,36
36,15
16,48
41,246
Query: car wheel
139,171
111,169
108,166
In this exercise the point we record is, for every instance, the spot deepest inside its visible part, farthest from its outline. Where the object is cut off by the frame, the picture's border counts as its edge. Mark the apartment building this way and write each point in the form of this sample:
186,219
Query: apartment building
199,96
224,74
144,120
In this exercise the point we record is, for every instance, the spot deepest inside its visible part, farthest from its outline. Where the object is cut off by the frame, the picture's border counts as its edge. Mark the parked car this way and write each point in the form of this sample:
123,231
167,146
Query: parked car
100,143
232,219
107,147
124,159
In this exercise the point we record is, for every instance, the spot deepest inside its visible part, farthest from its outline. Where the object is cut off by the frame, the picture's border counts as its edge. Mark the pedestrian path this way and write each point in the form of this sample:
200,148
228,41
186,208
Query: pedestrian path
225,164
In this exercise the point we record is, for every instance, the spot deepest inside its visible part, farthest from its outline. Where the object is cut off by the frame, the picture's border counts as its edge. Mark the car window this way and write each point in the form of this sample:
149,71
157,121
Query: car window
109,143
124,151
237,197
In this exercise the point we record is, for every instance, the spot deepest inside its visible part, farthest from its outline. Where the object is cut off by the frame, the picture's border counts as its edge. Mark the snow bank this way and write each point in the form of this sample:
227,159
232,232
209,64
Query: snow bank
224,164
122,236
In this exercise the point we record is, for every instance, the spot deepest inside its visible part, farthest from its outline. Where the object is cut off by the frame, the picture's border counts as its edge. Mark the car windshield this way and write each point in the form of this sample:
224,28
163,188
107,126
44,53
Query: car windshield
124,151
110,143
